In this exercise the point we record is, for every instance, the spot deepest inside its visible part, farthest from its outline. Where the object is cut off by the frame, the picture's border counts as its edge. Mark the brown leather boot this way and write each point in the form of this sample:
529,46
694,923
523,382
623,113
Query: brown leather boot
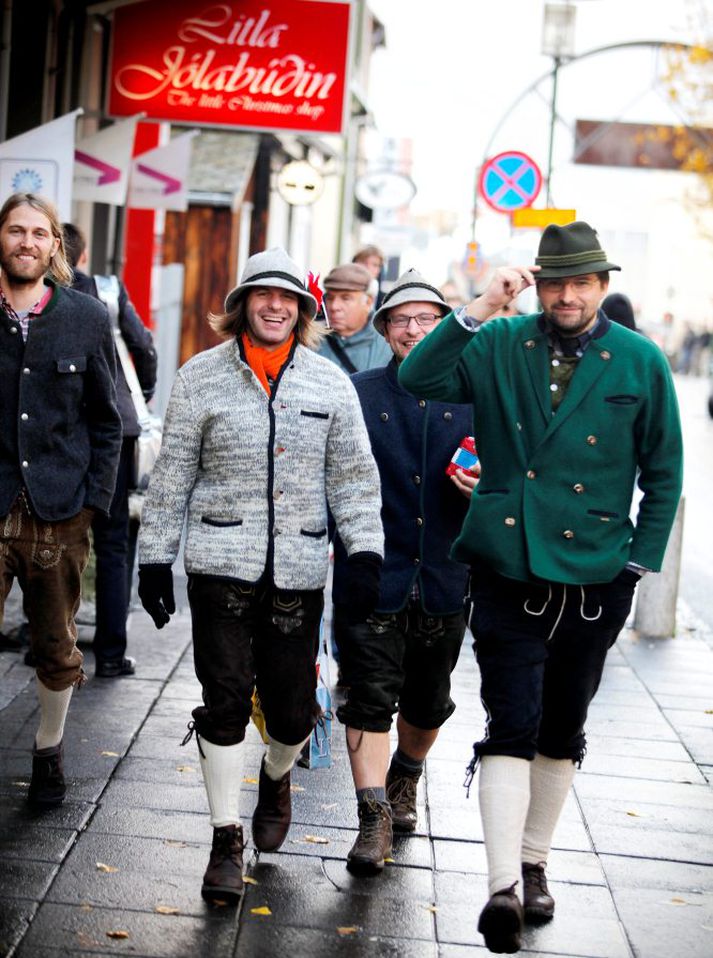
223,879
273,812
401,787
47,786
539,904
501,922
374,840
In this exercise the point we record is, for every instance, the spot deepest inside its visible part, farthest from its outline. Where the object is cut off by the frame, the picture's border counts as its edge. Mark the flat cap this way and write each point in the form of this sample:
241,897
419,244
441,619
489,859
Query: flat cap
349,276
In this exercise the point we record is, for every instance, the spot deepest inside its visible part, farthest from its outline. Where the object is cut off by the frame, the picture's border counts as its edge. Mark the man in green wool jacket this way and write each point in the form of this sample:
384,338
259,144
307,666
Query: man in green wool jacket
567,408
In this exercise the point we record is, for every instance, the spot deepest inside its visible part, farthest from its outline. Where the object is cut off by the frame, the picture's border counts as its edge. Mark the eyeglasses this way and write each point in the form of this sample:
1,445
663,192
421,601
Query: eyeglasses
557,285
424,320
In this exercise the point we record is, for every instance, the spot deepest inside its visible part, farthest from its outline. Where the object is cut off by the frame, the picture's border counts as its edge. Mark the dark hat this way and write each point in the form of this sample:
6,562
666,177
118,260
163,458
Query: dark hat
273,267
571,250
349,276
410,287
618,307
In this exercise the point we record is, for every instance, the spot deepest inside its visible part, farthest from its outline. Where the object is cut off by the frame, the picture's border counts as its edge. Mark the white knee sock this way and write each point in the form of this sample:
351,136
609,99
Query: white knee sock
280,758
504,794
222,769
550,781
53,712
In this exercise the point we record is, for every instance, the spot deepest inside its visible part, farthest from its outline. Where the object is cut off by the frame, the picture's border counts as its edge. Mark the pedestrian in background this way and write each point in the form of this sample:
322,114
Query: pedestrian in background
373,259
114,553
570,411
618,308
59,447
352,343
260,433
400,660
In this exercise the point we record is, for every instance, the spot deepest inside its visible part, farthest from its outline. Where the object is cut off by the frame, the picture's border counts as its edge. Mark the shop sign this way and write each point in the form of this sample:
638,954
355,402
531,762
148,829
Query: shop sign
280,65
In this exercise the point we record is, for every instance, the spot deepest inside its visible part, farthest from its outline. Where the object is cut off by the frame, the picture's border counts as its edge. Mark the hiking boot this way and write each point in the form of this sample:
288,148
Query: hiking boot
273,812
501,922
374,840
223,879
47,786
539,904
401,787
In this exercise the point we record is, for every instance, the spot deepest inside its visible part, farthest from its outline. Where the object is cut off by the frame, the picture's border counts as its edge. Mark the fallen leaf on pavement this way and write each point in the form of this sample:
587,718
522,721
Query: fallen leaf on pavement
316,840
262,910
166,910
112,754
348,930
250,881
634,814
101,867
389,861
185,768
117,934
250,781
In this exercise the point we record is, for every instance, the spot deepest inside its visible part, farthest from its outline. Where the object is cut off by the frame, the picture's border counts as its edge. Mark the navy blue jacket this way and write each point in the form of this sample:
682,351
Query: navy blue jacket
60,431
412,441
138,341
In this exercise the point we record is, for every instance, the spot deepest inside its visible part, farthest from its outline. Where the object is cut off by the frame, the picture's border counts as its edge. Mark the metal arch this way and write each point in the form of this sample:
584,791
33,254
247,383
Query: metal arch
581,56
629,44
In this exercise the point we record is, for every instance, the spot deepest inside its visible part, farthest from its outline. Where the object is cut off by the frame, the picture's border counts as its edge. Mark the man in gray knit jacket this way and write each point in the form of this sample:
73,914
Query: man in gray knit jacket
261,436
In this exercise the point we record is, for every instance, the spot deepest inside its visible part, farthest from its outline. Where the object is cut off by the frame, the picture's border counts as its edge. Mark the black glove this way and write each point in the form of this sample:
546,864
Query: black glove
156,592
363,580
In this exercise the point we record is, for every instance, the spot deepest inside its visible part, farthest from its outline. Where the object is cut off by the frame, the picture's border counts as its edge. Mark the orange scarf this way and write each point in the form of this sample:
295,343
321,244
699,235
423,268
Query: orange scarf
266,362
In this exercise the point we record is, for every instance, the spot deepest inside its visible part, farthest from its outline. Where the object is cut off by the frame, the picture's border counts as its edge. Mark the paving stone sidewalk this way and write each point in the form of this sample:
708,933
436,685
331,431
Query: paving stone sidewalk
632,868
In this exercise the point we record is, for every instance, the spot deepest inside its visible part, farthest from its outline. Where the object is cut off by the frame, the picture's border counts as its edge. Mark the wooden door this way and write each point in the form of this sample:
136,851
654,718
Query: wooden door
204,239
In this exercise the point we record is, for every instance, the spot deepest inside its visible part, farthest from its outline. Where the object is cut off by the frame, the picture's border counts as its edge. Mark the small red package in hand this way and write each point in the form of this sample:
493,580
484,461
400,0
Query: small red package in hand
465,457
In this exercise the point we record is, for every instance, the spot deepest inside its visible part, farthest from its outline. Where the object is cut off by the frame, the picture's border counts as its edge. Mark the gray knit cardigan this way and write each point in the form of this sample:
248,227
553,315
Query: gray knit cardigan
254,475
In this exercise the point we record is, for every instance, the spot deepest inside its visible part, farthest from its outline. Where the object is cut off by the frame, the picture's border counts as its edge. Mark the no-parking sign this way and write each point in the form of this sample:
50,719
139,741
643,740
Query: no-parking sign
509,181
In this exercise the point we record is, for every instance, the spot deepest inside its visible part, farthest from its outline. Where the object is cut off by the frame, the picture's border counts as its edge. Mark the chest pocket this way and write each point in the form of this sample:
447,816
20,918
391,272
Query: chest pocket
313,430
71,365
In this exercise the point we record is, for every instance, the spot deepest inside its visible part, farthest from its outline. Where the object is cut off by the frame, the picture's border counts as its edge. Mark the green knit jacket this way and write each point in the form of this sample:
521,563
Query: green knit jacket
556,491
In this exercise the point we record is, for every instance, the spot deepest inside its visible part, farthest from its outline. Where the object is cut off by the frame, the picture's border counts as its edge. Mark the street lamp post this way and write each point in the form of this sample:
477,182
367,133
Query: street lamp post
558,43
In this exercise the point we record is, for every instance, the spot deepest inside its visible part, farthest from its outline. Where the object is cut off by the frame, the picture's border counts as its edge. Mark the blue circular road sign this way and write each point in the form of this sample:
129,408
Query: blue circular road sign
509,181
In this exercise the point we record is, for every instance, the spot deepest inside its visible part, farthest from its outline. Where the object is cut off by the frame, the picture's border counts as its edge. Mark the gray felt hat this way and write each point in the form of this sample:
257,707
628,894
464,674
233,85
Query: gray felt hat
274,267
410,287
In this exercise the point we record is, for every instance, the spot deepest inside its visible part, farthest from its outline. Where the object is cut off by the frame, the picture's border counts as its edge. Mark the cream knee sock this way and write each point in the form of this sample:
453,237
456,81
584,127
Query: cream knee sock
222,767
280,758
53,712
504,794
550,781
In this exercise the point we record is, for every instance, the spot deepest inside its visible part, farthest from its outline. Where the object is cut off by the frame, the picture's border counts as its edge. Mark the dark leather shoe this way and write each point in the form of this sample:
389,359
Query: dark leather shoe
539,904
47,786
374,841
401,787
273,812
112,669
501,922
223,879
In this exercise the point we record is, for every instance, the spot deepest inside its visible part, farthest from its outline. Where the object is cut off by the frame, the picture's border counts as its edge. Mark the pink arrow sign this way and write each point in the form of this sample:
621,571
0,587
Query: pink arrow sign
172,184
109,174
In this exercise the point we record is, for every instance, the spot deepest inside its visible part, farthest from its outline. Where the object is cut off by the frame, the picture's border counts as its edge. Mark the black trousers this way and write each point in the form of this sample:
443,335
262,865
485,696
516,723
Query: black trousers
401,662
254,635
111,547
541,649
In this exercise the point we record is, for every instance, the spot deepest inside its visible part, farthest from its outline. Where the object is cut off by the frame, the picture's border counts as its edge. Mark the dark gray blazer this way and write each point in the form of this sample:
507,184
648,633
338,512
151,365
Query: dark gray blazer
60,431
